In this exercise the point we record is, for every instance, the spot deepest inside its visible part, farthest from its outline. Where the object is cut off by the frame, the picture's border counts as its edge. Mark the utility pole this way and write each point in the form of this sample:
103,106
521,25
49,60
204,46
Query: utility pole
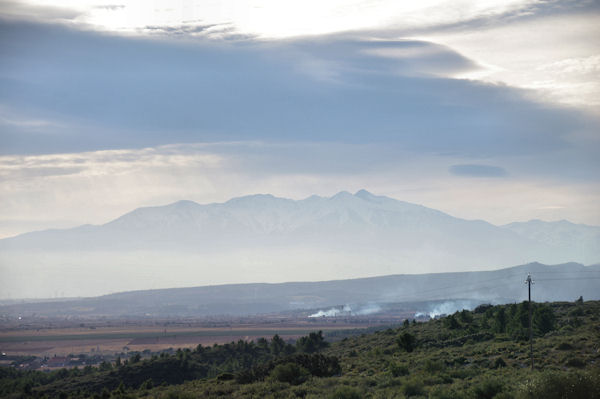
529,282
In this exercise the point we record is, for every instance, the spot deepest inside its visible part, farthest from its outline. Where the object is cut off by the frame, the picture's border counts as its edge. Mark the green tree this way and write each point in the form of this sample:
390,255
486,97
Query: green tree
407,341
500,320
311,343
544,319
277,345
451,322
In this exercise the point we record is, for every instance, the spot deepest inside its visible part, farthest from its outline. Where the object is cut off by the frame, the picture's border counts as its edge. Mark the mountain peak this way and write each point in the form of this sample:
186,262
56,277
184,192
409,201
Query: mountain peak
342,194
183,203
364,194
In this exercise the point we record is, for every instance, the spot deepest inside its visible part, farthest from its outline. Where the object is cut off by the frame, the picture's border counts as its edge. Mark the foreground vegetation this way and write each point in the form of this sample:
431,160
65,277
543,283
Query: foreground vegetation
472,354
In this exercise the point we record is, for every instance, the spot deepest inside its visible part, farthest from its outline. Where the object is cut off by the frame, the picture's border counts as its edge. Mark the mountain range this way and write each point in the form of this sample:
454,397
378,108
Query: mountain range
426,293
262,238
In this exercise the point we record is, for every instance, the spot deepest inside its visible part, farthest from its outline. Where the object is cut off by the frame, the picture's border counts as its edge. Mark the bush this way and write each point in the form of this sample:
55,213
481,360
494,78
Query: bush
499,363
575,362
488,389
147,384
225,377
398,370
564,346
290,373
562,385
413,388
444,393
346,393
434,366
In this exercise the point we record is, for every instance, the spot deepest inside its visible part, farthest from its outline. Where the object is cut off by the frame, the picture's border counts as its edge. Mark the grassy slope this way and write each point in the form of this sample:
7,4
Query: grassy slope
447,363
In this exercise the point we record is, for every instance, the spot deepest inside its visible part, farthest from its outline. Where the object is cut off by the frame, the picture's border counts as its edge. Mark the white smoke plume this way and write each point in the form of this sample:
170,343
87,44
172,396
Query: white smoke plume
447,307
347,310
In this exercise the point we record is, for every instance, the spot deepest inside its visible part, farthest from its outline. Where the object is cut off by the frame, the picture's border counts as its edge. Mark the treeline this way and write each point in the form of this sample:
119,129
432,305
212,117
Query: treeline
242,360
509,320
512,319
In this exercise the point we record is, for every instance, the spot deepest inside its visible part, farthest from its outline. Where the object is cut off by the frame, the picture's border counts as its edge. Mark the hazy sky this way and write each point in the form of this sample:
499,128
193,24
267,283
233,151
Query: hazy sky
482,109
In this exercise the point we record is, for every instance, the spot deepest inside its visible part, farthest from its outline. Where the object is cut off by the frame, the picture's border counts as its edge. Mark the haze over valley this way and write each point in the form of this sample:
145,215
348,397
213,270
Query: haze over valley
262,238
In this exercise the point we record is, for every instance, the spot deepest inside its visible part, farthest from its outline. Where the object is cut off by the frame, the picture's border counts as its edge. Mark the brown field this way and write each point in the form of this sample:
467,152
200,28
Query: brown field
111,340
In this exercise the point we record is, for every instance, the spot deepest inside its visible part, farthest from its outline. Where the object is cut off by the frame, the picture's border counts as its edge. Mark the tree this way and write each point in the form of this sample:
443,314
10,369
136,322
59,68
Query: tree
500,320
406,341
466,316
544,319
452,323
277,345
311,343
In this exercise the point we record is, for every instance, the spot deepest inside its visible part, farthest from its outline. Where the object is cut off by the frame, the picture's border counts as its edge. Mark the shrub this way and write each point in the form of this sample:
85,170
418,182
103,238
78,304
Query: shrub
147,384
398,370
346,393
562,385
575,362
564,346
444,393
413,387
488,389
225,377
499,363
434,366
290,373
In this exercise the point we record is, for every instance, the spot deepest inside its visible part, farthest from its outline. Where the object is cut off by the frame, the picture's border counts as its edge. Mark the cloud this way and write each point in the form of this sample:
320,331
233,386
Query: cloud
26,173
474,170
112,7
27,11
123,92
509,39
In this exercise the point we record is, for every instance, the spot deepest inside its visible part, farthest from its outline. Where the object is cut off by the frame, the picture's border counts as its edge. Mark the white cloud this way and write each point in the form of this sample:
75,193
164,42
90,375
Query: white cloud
272,18
547,47
554,55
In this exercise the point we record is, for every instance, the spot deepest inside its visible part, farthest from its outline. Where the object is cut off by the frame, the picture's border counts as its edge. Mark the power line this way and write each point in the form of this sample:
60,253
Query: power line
569,278
466,287
529,282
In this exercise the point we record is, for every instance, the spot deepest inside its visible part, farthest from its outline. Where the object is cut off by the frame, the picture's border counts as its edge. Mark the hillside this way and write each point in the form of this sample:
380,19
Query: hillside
466,289
479,354
262,238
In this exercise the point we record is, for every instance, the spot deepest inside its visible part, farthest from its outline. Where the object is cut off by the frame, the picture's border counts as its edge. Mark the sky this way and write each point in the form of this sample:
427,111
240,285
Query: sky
481,109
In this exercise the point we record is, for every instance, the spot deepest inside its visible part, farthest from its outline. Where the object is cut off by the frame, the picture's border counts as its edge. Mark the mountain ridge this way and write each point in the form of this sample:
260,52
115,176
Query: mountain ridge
266,238
362,194
465,288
